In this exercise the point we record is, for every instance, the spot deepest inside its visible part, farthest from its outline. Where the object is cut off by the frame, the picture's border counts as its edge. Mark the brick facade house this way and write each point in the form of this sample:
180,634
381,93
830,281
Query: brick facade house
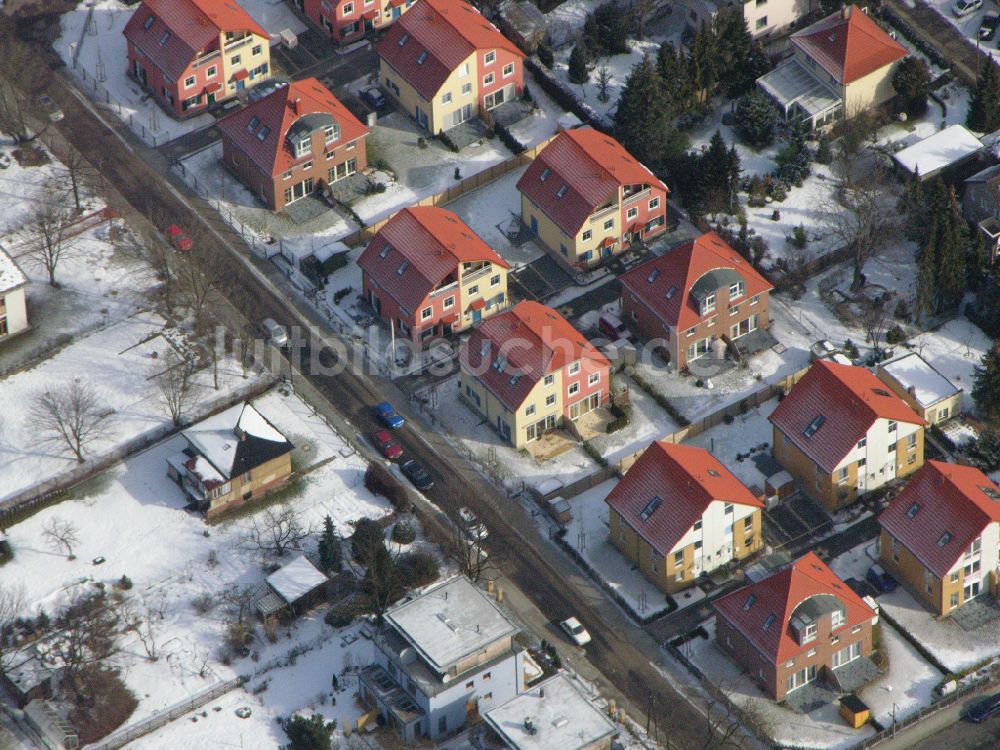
346,21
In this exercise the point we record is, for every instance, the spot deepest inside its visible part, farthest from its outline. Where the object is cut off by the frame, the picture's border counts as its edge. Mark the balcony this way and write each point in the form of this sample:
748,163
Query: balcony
233,44
603,212
636,196
444,289
210,57
479,273
388,695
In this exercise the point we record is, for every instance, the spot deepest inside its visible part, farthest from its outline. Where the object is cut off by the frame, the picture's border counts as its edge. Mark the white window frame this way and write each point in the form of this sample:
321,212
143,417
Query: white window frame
446,97
211,72
530,410
190,82
574,389
449,302
490,57
594,378
508,70
654,203
347,9
426,313
574,368
488,79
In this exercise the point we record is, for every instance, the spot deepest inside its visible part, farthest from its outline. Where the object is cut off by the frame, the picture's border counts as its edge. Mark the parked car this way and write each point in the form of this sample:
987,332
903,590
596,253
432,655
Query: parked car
417,474
386,445
882,581
387,415
988,27
575,631
984,709
263,89
50,108
612,327
372,97
962,8
471,527
467,517
275,331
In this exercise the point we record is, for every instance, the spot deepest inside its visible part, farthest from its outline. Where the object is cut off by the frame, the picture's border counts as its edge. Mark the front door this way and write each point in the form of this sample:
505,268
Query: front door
211,98
396,13
240,85
477,315
971,590
534,225
421,117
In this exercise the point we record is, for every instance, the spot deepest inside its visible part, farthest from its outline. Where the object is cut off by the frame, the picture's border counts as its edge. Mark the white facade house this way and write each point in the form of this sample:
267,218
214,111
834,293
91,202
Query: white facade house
444,657
876,453
712,534
763,17
13,305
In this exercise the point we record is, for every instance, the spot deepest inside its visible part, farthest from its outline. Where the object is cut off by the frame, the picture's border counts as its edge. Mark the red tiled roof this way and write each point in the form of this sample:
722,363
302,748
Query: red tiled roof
679,269
194,25
944,499
535,340
433,242
278,111
779,594
849,398
478,304
591,165
687,479
851,47
445,33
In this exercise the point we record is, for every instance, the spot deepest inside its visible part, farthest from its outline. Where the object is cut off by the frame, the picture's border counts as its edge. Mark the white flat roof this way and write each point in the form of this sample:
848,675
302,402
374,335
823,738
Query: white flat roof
11,276
296,579
450,622
912,370
560,716
935,152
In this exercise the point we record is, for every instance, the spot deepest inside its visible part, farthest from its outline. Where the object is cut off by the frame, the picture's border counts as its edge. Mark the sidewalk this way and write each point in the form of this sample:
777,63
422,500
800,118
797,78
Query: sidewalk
930,725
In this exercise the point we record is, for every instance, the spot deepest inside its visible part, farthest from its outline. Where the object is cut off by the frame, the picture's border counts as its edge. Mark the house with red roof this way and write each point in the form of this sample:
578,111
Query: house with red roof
587,199
678,513
842,65
296,140
346,21
841,432
798,624
426,273
694,295
445,64
527,371
941,535
191,54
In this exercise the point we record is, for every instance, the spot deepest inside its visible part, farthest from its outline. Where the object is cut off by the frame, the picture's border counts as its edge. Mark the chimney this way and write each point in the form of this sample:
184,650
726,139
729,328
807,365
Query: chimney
912,390
294,104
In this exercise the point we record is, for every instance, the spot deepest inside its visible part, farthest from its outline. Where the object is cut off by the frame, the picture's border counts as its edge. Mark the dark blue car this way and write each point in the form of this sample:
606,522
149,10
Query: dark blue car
985,709
387,415
882,581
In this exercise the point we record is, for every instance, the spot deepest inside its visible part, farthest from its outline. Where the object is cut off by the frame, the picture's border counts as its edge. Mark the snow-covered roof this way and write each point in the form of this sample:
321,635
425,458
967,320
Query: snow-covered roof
450,621
236,440
295,580
554,714
913,371
11,277
935,152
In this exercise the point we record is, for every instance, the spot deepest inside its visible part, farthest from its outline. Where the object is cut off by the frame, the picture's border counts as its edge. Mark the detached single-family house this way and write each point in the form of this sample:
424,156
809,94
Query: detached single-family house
191,54
427,273
297,140
231,458
553,715
798,624
981,206
842,65
841,432
763,17
445,64
527,370
346,21
941,535
13,305
693,295
442,659
587,199
929,393
678,513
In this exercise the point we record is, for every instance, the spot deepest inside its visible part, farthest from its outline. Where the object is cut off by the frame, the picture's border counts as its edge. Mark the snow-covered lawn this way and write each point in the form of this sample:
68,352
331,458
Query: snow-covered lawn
133,516
748,431
118,361
752,161
648,422
954,350
543,122
619,67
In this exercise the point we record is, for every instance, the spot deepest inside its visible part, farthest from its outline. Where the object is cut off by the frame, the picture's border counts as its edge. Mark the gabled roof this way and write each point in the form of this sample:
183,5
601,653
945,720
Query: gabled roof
942,510
913,371
774,600
591,166
837,405
193,26
11,276
235,441
707,261
525,343
433,38
686,479
432,242
301,105
849,45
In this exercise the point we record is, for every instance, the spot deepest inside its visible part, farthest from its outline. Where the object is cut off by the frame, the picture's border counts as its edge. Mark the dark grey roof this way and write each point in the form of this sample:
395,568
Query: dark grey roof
986,175
525,17
714,280
811,609
309,123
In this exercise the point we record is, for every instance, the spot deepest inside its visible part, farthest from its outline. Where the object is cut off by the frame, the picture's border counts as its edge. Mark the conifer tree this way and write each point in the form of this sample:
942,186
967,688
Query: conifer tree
329,547
986,391
952,250
926,276
579,64
642,120
984,108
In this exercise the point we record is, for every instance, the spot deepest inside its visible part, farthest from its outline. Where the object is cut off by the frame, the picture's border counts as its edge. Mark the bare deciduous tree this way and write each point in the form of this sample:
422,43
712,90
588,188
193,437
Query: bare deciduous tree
11,605
14,114
62,536
174,379
71,416
729,726
89,628
142,619
861,219
465,547
48,239
276,530
198,276
78,171
875,318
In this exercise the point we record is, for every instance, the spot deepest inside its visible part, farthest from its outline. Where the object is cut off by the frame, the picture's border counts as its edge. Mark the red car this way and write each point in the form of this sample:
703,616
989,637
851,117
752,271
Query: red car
386,445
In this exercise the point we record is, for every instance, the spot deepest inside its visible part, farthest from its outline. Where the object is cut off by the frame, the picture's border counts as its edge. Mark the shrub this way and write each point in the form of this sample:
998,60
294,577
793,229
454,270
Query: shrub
308,734
340,617
622,417
895,334
404,533
902,311
379,481
579,64
799,238
203,603
366,540
546,57
124,583
755,119
340,294
851,349
418,568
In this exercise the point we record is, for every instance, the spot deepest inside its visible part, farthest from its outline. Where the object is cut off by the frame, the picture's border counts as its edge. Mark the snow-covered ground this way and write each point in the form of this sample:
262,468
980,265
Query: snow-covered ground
118,361
619,67
955,350
752,161
143,532
96,43
748,431
649,422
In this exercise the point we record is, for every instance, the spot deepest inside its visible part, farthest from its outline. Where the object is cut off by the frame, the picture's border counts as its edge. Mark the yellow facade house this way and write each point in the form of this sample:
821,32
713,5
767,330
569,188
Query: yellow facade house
929,393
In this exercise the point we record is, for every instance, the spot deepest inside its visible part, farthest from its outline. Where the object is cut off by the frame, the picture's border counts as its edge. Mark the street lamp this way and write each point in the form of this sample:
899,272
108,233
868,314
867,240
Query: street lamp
894,721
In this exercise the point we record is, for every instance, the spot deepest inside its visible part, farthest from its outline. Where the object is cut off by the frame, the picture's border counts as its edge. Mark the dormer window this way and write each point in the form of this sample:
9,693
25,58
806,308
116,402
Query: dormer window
836,618
708,304
303,147
501,364
737,290
252,125
331,133
149,22
809,632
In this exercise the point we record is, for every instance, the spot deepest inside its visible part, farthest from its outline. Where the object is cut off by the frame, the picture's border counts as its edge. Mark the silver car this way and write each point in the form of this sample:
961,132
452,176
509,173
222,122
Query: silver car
275,331
50,108
963,8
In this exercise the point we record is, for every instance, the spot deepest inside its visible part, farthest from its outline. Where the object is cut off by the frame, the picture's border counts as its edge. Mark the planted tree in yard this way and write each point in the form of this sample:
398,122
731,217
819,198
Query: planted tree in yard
88,635
49,241
984,107
141,618
382,582
927,263
861,221
719,170
606,29
853,131
12,604
366,540
984,451
941,264
77,170
756,119
545,56
579,64
276,530
704,63
603,83
874,318
313,733
986,390
14,114
329,547
62,536
912,81
174,378
71,416
642,120
741,59
674,71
